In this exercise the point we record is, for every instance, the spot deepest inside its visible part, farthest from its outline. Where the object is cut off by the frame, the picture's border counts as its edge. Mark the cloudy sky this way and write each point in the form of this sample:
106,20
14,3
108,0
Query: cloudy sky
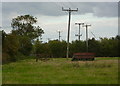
103,16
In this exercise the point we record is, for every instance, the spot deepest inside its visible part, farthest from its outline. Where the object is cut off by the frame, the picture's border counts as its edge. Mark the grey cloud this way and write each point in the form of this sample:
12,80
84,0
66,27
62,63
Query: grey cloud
100,9
106,9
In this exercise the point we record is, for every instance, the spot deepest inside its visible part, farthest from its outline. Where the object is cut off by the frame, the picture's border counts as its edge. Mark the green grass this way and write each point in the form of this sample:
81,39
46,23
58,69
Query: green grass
0,74
107,58
61,71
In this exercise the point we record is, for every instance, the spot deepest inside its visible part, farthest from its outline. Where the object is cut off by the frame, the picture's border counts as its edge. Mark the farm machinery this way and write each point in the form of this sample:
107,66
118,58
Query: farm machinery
83,57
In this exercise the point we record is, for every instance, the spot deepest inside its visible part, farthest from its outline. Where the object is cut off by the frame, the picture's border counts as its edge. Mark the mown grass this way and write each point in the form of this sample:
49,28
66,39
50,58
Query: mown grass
61,71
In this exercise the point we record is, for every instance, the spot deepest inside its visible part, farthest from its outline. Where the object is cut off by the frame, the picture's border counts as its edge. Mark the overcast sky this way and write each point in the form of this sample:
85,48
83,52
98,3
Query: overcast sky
103,16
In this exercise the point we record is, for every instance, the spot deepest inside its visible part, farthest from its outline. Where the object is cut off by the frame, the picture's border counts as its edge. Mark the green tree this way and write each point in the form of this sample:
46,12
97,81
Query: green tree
39,48
105,47
25,45
57,48
11,46
94,46
117,38
77,46
114,47
24,27
3,37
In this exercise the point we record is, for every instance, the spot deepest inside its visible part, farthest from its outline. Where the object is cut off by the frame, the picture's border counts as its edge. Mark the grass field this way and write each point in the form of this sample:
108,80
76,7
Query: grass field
61,71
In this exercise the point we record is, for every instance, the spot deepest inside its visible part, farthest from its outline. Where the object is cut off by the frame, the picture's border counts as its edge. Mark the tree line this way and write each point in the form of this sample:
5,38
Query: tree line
22,42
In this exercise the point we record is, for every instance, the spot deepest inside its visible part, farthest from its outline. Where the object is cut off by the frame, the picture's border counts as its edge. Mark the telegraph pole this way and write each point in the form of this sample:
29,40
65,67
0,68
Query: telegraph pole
86,36
59,34
79,30
69,11
48,39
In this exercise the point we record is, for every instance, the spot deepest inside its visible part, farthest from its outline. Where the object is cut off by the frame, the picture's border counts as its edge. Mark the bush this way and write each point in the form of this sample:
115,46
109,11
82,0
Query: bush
5,58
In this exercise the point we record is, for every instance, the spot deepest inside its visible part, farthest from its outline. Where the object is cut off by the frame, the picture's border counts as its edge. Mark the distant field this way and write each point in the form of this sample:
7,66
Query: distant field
61,71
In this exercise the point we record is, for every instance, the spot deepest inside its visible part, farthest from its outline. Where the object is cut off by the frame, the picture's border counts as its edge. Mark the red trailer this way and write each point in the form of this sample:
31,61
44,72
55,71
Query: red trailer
83,56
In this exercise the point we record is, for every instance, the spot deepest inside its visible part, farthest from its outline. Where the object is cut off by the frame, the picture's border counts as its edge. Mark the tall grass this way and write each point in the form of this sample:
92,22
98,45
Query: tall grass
61,71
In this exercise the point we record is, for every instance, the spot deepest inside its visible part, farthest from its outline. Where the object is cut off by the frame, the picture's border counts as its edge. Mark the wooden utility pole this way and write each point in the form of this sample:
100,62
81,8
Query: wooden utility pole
69,11
79,30
59,34
86,36
48,39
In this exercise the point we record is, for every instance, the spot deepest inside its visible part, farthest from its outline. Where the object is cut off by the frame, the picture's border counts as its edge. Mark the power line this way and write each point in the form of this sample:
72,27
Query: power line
69,11
93,34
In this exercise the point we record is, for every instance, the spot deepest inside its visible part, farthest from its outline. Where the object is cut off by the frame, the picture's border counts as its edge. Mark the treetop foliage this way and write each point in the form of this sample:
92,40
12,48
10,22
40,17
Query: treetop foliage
24,26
